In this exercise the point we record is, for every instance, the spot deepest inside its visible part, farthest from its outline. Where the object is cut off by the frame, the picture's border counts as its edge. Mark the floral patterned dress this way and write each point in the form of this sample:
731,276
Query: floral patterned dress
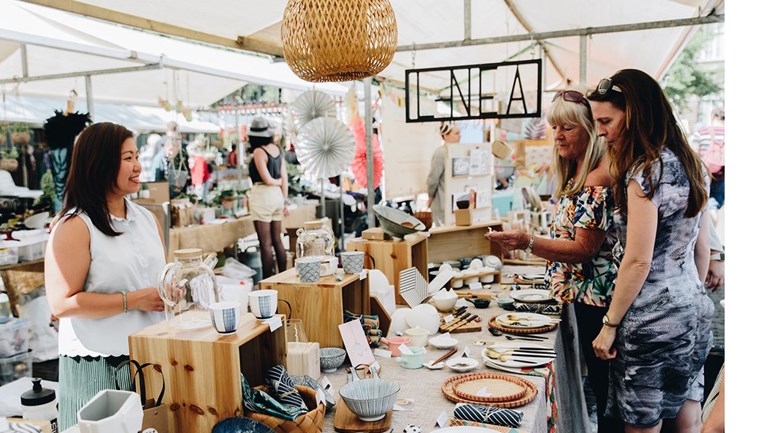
663,339
591,282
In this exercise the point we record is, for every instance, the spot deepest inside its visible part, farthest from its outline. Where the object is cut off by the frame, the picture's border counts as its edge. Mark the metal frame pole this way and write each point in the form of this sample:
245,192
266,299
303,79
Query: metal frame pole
369,152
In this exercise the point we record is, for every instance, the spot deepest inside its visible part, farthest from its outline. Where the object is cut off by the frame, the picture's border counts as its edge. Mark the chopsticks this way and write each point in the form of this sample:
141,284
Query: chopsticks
444,356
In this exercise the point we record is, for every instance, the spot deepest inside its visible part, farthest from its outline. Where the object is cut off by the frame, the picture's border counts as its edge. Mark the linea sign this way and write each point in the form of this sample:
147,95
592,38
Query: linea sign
471,89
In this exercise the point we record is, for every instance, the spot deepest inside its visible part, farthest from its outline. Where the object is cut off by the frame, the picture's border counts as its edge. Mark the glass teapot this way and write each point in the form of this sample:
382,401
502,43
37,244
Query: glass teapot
188,287
315,240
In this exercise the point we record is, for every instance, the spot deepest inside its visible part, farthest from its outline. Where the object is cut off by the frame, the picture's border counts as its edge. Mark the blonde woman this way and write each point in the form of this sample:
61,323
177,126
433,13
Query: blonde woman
450,133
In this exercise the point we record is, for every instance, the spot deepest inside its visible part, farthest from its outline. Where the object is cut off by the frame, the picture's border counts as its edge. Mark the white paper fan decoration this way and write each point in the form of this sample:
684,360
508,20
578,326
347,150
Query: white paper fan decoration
325,147
312,105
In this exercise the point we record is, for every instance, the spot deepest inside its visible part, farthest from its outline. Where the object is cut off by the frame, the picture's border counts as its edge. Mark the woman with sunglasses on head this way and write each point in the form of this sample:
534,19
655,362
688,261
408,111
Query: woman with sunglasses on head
657,330
101,266
580,268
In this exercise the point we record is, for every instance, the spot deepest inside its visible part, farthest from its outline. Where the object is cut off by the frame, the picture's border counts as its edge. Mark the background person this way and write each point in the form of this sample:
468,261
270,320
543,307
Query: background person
267,198
710,142
101,266
657,329
450,133
580,266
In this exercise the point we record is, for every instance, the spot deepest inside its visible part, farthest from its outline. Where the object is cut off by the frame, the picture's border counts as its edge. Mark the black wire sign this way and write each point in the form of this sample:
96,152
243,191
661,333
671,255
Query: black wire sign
472,89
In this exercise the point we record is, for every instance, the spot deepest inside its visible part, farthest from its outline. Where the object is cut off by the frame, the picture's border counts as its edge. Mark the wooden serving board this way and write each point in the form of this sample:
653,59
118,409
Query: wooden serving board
468,327
346,421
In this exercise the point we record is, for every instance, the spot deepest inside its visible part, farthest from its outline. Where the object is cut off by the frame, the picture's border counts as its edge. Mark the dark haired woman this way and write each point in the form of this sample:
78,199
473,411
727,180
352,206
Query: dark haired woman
657,330
267,198
101,264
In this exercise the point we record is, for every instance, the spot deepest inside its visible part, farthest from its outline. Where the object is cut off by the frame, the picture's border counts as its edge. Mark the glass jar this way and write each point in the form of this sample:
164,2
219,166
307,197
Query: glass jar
188,287
315,240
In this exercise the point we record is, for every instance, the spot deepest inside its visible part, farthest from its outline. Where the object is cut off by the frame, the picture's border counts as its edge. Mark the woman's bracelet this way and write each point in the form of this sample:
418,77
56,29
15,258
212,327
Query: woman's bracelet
125,301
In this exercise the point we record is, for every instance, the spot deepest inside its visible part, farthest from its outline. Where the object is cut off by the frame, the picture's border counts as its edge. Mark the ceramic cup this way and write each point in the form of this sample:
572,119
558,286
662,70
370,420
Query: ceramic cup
352,261
263,303
394,343
308,269
415,360
225,316
419,336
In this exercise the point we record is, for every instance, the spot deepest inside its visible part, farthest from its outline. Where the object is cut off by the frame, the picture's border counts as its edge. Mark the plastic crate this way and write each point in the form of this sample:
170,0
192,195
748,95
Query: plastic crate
15,367
14,337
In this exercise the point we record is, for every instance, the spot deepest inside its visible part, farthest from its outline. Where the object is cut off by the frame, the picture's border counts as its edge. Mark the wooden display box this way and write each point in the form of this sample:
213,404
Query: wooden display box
454,242
393,256
320,305
203,369
467,217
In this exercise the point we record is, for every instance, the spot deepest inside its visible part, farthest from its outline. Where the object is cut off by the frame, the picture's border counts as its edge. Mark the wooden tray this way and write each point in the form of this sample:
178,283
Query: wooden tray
503,387
346,421
468,327
493,325
447,388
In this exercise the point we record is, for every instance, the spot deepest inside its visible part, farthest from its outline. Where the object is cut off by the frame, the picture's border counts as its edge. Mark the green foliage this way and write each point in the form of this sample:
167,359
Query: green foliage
687,77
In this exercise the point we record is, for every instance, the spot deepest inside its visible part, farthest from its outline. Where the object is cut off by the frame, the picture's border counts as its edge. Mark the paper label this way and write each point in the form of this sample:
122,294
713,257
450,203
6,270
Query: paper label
474,286
466,351
483,392
326,383
442,419
448,318
319,397
398,408
403,348
362,275
445,335
382,353
274,323
374,368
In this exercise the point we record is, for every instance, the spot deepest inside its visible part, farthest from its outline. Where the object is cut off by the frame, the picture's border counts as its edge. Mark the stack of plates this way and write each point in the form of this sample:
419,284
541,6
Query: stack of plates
517,355
490,389
519,320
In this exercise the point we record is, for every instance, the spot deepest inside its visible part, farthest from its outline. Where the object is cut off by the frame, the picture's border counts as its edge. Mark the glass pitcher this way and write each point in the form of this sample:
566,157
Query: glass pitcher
188,287
315,240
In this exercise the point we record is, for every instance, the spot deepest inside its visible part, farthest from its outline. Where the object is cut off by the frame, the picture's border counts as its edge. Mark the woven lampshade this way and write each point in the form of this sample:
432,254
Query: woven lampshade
338,40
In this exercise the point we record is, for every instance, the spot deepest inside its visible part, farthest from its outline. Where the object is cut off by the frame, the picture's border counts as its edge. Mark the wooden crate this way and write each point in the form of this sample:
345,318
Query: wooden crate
320,305
202,368
393,256
454,242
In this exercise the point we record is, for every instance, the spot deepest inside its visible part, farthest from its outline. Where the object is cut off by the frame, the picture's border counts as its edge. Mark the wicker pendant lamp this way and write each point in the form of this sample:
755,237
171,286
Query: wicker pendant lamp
338,40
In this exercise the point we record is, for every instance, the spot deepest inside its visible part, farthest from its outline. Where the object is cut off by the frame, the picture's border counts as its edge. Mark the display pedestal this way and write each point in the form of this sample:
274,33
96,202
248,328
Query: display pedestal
202,368
393,256
454,242
320,305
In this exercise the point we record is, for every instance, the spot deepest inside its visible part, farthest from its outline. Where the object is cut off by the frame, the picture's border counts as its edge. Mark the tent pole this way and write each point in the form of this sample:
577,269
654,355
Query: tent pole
323,199
369,153
342,216
24,61
89,96
583,60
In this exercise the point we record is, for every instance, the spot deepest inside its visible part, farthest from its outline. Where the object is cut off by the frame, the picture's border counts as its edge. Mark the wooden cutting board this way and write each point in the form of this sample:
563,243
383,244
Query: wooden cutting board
467,327
346,421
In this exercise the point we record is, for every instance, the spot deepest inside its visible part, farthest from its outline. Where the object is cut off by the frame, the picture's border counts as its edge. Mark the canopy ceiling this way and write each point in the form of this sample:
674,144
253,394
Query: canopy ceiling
255,25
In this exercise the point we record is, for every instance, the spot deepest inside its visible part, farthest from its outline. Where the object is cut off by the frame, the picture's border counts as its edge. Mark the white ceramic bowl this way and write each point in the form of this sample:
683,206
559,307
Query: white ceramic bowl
445,300
442,342
475,265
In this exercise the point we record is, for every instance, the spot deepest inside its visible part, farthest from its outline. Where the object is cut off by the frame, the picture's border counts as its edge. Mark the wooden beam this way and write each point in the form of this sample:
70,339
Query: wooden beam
248,43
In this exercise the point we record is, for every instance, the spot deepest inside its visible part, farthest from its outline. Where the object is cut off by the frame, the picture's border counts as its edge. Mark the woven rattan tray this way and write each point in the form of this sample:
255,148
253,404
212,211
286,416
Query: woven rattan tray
502,387
447,388
493,325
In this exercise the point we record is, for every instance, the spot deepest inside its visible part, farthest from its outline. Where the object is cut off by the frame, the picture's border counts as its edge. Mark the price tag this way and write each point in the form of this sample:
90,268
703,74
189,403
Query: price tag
362,275
448,318
274,323
466,352
474,286
483,392
382,353
405,349
398,408
319,397
325,383
442,419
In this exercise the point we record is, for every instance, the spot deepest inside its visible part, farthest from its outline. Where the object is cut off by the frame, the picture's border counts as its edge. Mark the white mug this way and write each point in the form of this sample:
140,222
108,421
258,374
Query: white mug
263,303
225,316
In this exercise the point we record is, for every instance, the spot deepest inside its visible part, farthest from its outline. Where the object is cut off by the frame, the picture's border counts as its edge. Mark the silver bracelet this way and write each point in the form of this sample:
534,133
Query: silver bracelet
125,301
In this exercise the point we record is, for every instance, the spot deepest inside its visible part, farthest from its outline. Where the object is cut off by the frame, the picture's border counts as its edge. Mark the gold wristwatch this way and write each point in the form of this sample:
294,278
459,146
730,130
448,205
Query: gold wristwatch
606,322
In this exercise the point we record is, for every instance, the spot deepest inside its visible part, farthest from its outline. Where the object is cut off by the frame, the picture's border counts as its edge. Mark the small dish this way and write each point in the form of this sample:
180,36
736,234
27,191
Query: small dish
436,366
442,342
461,364
531,295
479,302
532,276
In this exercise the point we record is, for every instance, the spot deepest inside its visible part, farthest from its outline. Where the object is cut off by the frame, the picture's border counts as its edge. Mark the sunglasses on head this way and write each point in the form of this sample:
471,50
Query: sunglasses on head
571,96
605,85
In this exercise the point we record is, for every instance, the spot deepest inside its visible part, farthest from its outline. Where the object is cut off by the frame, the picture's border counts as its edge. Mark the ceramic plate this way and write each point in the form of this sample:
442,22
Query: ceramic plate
524,320
464,429
531,295
442,342
461,364
520,360
532,276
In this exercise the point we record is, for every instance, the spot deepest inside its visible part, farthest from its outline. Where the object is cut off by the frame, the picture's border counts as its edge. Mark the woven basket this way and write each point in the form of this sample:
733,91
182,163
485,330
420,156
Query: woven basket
9,164
24,282
338,40
20,138
311,422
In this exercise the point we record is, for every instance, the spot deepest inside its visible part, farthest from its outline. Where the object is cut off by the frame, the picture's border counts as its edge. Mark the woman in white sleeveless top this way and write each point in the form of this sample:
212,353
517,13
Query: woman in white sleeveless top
101,265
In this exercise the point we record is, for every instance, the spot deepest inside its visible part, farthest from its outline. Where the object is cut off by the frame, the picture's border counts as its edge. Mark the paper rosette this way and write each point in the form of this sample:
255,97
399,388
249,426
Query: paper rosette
312,105
359,162
325,147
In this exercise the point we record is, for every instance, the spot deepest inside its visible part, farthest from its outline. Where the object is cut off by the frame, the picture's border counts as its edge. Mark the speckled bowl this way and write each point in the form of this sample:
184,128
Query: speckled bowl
332,358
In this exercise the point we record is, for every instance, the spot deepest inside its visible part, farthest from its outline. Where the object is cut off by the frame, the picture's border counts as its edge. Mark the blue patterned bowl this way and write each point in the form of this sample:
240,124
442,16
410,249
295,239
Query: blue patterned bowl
332,358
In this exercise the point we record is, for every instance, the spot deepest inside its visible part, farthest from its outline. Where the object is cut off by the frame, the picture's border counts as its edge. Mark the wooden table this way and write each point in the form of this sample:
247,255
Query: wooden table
454,242
202,369
209,237
393,256
320,305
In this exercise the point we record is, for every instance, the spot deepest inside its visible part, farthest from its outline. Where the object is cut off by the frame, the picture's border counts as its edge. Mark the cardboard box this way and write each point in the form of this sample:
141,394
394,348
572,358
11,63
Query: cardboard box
374,234
467,217
159,191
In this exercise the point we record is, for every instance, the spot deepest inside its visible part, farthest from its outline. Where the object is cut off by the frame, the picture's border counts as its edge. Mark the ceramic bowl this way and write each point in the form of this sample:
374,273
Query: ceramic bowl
463,204
457,283
332,358
445,300
503,302
475,264
490,277
370,399
442,342
479,302
471,276
397,223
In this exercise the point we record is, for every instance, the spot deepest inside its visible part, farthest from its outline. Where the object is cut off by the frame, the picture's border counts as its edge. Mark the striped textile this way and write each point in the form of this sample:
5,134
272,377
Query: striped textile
488,414
81,378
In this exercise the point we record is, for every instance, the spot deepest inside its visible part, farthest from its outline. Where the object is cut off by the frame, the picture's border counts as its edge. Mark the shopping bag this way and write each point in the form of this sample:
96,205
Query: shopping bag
178,175
155,412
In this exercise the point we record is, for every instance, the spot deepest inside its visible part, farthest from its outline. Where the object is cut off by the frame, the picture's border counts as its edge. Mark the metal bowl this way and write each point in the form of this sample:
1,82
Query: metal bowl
370,399
332,358
393,221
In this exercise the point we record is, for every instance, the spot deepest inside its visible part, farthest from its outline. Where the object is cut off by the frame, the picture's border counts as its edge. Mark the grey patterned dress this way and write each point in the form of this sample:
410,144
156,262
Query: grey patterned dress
665,336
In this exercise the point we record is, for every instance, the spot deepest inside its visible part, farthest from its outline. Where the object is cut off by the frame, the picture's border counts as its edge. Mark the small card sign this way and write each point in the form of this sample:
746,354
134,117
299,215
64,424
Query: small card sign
274,322
356,343
403,348
362,275
483,392
448,318
382,353
442,419
474,286
466,352
319,397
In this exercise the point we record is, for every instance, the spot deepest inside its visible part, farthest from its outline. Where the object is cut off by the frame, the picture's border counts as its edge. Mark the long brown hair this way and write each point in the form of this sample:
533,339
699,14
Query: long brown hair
650,124
93,173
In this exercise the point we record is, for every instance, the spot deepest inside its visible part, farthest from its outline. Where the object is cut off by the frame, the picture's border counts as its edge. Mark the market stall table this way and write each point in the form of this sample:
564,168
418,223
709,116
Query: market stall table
212,237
